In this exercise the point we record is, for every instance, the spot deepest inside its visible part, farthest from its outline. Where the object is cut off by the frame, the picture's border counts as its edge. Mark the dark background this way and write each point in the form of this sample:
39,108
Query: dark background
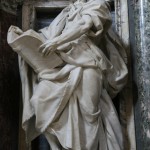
9,86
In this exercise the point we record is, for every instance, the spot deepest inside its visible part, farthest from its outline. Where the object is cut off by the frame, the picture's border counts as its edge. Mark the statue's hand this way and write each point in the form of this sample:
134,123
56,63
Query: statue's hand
47,48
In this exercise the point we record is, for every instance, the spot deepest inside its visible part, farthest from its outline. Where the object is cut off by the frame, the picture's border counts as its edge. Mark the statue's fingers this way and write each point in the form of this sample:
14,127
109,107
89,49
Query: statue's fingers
47,52
46,49
42,47
43,51
45,44
50,52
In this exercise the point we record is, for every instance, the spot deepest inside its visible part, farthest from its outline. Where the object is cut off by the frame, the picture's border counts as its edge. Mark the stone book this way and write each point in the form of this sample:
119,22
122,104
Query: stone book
26,44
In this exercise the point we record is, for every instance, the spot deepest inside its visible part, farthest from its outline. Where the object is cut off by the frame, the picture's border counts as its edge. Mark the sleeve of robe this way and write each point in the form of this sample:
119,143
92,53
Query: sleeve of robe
57,25
100,16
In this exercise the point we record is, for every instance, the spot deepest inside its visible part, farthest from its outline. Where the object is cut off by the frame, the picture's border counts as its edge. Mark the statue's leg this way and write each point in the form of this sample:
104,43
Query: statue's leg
89,94
89,90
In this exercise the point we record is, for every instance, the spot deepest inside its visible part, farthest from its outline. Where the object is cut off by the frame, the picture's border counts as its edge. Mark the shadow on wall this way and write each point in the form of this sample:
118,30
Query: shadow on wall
9,83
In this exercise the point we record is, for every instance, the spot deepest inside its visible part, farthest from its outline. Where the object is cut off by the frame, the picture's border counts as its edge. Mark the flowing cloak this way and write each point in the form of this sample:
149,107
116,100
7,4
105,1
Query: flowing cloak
71,104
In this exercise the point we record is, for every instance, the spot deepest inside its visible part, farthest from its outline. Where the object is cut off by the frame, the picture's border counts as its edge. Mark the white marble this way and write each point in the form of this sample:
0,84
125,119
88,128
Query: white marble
77,65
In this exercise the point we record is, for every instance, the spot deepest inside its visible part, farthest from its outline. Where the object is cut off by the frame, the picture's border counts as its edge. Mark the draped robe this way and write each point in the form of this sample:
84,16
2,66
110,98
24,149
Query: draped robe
72,103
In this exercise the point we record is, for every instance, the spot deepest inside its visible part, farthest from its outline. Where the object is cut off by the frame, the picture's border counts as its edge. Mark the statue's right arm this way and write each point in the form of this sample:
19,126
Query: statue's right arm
78,29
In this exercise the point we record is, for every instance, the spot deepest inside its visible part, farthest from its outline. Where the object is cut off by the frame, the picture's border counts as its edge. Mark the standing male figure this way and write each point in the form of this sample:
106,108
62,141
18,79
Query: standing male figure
71,104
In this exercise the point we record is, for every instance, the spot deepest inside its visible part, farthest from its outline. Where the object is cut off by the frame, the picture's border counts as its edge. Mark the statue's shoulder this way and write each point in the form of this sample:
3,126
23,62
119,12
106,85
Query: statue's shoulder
94,4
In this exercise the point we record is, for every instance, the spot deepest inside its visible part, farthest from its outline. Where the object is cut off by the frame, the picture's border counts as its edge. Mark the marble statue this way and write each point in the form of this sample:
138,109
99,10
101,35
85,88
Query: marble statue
70,72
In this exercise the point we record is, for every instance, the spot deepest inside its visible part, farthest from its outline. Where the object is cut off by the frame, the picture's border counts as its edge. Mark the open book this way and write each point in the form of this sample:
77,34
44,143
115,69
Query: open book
27,45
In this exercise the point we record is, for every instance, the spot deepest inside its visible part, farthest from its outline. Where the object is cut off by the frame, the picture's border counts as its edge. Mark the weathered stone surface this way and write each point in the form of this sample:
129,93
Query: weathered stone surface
139,16
142,73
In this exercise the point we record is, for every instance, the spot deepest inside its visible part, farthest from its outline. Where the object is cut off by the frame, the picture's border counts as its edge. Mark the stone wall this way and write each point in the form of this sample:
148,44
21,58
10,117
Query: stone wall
141,71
